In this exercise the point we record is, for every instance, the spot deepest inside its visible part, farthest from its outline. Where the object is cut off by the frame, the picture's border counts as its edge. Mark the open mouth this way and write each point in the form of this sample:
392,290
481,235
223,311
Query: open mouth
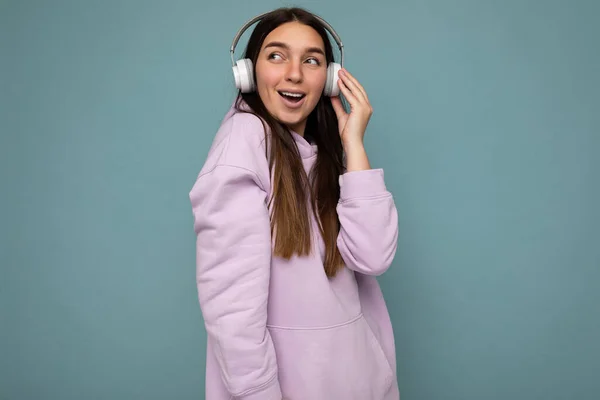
292,97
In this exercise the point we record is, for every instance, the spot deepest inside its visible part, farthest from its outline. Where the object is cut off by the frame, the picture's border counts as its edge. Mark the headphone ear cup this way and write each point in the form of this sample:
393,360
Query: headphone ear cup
243,73
331,85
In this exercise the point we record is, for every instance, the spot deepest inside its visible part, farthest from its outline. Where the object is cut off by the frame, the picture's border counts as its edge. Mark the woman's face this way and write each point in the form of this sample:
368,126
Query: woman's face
291,71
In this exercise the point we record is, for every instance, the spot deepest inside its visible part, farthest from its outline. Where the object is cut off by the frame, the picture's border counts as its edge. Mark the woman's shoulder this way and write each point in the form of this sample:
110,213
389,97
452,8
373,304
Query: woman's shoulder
239,142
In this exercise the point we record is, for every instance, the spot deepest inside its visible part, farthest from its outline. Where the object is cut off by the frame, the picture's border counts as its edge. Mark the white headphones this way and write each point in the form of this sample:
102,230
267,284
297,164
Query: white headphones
243,70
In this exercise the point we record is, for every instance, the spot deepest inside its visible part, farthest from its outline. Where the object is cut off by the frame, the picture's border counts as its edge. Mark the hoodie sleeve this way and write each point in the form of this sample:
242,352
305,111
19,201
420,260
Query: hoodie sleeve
233,258
369,222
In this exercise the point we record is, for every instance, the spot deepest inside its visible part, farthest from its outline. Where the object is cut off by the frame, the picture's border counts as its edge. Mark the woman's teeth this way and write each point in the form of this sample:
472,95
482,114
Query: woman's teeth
292,96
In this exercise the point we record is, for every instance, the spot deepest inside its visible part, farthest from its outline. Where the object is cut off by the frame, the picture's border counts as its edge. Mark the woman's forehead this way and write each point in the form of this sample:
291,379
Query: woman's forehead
295,36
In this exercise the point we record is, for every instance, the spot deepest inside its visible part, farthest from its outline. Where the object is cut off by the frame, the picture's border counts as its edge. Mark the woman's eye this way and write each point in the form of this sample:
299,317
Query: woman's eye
314,61
273,55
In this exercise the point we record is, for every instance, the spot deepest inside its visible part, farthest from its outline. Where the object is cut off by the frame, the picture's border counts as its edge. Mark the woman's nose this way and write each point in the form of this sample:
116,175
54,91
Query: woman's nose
294,72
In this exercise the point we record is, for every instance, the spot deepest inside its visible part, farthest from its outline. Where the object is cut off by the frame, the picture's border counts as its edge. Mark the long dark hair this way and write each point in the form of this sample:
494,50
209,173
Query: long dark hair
290,222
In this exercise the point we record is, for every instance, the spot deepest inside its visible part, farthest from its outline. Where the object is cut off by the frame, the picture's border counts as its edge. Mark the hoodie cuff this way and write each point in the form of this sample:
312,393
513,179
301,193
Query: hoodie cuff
367,183
270,392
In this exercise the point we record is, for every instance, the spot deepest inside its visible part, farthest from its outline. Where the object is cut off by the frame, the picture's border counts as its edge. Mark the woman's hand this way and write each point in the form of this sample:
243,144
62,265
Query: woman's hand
352,125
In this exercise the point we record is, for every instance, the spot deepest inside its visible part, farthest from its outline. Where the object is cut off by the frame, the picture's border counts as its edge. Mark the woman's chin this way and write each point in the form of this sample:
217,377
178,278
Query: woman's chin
290,122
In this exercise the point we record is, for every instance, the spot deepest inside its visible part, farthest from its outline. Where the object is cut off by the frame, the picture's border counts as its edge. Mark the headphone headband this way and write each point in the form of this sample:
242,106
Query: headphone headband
326,25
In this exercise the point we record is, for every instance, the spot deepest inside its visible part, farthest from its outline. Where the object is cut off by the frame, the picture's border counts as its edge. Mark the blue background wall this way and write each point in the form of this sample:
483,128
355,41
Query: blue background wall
487,125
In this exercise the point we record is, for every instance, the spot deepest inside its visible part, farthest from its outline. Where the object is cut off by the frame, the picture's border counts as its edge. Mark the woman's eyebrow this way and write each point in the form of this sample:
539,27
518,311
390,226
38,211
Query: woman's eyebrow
286,47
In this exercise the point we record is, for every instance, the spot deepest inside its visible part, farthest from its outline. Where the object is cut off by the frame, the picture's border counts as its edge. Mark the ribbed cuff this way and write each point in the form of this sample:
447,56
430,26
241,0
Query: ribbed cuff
365,183
270,392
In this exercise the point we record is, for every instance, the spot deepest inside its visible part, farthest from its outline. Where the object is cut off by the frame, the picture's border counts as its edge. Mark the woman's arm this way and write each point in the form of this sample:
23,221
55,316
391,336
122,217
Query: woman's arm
368,222
368,216
233,269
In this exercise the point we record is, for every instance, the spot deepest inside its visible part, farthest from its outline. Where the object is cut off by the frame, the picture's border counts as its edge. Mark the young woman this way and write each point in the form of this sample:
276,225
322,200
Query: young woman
292,227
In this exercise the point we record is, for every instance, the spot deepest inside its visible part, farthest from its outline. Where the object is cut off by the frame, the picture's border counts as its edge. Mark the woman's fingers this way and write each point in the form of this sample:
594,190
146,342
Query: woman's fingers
353,84
348,94
336,102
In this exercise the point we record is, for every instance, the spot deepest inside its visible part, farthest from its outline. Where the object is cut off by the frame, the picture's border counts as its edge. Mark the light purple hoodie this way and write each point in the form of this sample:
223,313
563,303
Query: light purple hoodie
281,328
